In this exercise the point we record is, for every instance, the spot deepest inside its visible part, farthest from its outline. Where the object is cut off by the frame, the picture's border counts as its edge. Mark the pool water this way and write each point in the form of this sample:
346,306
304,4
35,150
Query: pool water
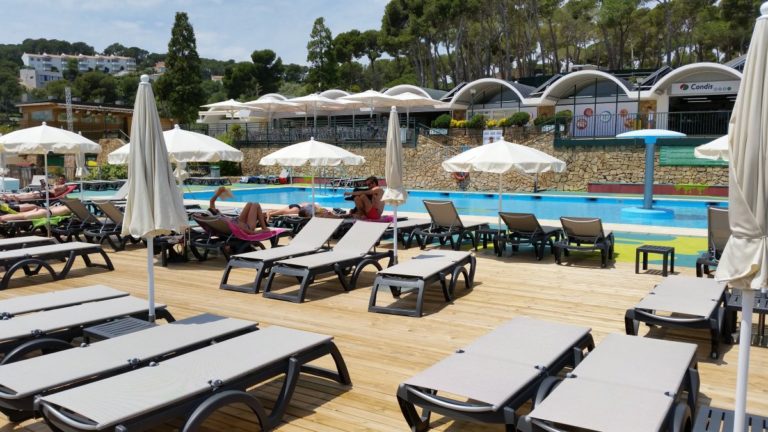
686,213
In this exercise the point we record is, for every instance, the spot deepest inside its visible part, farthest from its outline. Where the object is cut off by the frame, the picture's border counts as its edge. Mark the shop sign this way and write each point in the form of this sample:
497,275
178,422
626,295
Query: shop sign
704,87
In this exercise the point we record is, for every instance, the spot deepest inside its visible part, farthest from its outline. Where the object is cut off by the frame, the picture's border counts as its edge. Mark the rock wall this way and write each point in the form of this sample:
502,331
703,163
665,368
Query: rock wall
423,170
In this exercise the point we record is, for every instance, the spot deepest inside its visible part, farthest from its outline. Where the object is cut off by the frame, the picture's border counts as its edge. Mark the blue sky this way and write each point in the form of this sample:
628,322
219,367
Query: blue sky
225,29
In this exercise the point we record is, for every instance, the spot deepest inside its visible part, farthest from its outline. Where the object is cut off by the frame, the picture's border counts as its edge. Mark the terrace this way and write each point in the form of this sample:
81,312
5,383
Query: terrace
383,350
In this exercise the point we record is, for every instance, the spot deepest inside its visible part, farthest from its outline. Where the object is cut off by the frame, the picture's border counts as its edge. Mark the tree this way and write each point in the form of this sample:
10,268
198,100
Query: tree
295,73
240,81
268,70
72,70
180,88
96,87
10,90
320,54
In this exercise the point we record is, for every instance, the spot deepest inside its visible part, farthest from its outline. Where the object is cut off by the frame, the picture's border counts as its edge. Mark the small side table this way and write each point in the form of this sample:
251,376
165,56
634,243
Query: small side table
115,328
486,234
667,252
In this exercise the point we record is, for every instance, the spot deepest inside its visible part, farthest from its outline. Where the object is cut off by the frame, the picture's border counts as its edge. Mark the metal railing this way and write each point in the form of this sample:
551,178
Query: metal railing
363,132
704,123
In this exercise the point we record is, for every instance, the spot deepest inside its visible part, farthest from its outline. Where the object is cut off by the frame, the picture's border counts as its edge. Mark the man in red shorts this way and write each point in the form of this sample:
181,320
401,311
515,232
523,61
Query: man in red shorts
368,203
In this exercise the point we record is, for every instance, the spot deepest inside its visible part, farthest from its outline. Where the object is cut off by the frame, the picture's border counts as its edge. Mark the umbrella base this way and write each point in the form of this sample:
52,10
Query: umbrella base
654,213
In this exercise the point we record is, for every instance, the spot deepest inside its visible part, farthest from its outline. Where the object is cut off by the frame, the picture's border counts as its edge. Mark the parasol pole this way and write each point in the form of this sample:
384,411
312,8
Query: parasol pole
745,341
151,274
47,199
498,216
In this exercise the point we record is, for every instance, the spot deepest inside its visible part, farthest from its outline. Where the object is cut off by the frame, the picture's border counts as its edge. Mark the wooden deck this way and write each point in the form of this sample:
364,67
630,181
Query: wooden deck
383,350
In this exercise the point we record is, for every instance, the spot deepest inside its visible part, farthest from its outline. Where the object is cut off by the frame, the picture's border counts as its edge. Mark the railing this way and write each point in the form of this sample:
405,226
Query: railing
705,123
93,131
363,132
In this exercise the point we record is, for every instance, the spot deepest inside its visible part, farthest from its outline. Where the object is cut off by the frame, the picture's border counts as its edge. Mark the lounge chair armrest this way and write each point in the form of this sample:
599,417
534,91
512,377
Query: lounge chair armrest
669,318
50,411
451,404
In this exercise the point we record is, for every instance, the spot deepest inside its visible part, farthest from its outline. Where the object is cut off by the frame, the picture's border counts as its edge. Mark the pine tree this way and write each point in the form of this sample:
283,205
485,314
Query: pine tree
180,88
323,73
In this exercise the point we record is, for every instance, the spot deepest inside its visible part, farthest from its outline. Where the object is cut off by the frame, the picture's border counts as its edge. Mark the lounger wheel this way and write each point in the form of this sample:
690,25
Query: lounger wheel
682,418
219,400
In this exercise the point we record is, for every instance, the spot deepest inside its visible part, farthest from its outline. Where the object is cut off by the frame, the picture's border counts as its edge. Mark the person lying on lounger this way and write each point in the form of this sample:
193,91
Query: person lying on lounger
251,219
368,203
57,189
302,210
36,213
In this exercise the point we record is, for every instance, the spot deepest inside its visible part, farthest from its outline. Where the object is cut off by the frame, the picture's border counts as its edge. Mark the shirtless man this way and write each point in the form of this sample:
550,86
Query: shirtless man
57,189
368,203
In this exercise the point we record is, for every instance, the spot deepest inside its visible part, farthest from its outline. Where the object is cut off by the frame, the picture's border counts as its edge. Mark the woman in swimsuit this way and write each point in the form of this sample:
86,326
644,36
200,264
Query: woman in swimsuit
251,219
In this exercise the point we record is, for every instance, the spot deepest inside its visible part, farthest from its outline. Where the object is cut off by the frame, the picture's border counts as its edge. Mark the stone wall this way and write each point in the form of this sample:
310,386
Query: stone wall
588,164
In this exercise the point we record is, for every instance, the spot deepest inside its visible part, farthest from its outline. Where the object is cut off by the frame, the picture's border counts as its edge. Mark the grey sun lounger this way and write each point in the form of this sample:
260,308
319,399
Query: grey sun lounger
524,228
312,238
419,272
54,329
406,229
685,302
199,382
15,306
111,228
718,233
628,384
33,259
446,223
585,234
495,375
22,381
354,251
23,242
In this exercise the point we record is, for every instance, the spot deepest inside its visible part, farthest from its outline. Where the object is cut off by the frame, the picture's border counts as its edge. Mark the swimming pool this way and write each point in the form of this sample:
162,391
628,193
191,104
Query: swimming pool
687,213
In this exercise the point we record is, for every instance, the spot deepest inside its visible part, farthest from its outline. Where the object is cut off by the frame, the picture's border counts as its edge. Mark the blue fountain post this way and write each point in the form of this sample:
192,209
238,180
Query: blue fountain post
650,144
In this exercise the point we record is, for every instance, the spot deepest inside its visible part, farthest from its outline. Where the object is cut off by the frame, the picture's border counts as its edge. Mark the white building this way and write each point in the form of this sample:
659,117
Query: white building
49,67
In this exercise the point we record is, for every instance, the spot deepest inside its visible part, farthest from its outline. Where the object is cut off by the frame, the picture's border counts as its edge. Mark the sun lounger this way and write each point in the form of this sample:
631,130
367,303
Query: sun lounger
495,375
23,242
83,220
524,228
54,329
627,384
222,235
718,233
406,228
685,302
354,251
34,259
109,230
22,381
446,224
585,234
199,382
12,307
418,273
309,240
710,419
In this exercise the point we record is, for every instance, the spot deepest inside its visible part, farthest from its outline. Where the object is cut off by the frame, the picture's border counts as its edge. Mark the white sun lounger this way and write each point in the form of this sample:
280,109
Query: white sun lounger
682,301
22,381
54,329
496,374
198,382
354,250
23,242
56,299
627,383
34,259
315,234
419,272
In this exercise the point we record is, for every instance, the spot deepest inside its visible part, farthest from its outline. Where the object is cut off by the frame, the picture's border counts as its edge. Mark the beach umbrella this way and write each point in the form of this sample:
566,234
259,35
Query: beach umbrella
395,194
501,157
744,263
230,106
649,137
371,99
271,105
44,139
409,100
713,150
186,146
316,102
314,153
3,169
154,204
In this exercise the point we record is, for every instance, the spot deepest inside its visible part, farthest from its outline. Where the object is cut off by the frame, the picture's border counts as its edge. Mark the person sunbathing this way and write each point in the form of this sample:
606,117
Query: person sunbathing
368,203
301,210
57,189
251,219
37,213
